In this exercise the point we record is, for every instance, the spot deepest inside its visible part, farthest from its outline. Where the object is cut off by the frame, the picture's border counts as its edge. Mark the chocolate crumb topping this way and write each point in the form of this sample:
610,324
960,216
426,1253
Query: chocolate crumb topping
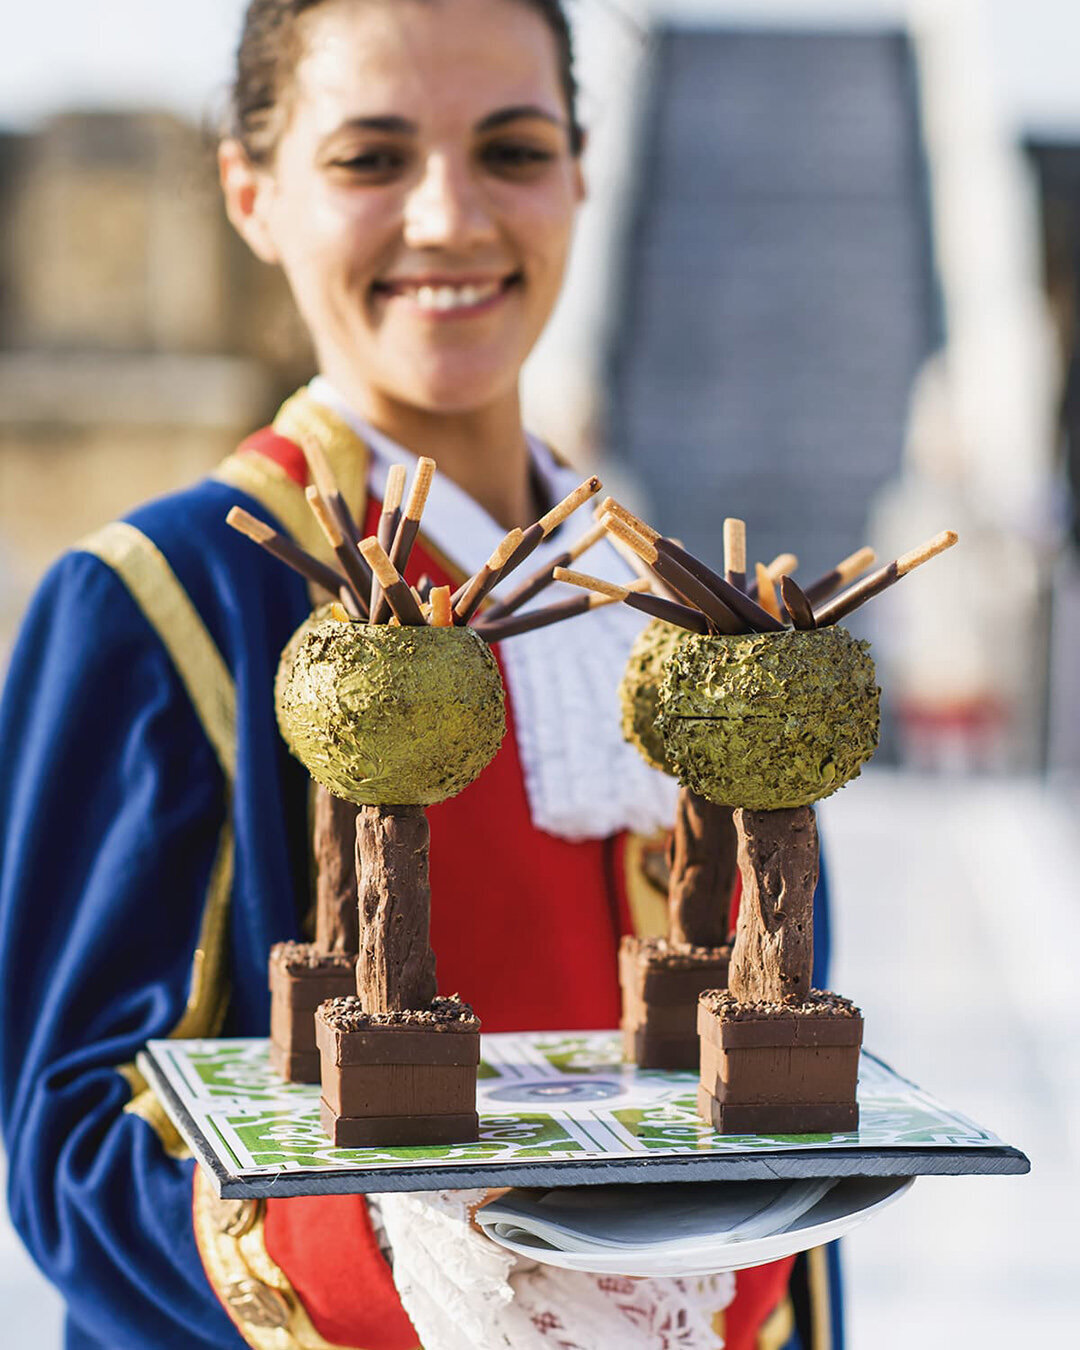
442,1014
659,951
304,958
820,1003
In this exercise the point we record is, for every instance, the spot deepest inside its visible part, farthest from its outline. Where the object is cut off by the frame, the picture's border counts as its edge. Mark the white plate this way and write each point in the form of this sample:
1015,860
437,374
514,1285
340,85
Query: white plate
846,1205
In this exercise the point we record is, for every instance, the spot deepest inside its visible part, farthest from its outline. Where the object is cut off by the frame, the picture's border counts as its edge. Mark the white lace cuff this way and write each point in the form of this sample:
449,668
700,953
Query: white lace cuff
465,1292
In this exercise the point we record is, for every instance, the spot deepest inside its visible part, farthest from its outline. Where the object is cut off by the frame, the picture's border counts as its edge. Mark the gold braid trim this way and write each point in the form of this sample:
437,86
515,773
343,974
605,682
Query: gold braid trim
146,1106
155,588
817,1278
301,419
778,1327
648,904
253,1289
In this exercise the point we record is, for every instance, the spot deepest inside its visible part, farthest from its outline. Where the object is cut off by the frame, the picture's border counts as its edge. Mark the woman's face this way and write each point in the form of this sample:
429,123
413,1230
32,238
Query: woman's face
422,195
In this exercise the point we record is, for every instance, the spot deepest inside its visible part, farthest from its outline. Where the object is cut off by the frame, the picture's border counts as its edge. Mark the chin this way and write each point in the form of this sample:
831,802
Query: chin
454,390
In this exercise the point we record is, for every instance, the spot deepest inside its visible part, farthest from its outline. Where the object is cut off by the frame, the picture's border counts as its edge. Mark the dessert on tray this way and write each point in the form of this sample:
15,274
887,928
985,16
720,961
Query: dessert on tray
661,978
761,718
392,700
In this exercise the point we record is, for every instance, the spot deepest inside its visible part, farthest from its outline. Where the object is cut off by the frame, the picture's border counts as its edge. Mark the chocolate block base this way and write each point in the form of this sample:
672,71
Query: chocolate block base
397,1131
760,1118
779,1068
660,983
302,977
398,1079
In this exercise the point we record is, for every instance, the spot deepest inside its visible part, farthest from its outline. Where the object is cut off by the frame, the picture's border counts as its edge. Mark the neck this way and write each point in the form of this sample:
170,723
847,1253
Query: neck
483,450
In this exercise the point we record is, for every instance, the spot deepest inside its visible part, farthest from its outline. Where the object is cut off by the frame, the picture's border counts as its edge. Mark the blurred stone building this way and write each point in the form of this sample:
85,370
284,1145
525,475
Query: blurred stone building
139,339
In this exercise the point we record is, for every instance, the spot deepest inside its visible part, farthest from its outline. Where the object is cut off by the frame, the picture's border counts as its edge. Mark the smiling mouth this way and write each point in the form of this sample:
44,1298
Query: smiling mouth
441,297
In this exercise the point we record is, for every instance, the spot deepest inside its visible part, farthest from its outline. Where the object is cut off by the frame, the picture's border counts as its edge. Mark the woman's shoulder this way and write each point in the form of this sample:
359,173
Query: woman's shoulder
187,571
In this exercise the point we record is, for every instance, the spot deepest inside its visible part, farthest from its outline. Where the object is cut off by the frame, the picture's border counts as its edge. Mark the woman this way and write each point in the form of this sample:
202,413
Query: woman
414,167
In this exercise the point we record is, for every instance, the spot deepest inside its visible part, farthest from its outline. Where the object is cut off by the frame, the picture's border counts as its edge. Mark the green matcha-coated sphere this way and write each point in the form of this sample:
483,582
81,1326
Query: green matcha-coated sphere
769,720
639,692
388,716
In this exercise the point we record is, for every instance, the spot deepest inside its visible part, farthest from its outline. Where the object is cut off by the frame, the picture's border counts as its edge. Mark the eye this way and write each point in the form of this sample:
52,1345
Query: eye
376,163
516,158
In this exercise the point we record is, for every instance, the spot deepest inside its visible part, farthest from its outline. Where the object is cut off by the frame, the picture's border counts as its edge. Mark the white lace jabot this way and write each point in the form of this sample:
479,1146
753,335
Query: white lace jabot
582,779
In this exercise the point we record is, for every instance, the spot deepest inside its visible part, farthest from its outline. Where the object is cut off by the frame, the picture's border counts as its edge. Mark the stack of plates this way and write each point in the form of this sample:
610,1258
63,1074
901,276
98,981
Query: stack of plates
687,1229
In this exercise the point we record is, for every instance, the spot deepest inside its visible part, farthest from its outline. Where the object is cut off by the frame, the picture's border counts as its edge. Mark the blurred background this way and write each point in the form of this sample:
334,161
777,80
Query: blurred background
827,279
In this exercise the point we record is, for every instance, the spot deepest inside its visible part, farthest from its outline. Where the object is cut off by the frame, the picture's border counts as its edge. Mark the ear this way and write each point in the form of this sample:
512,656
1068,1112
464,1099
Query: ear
581,190
247,190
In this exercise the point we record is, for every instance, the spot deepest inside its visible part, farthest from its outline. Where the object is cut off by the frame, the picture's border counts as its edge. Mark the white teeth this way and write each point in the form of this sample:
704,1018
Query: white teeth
444,298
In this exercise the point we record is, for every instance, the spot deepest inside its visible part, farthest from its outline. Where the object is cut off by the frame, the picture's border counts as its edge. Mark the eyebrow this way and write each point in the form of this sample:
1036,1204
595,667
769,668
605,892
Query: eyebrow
401,126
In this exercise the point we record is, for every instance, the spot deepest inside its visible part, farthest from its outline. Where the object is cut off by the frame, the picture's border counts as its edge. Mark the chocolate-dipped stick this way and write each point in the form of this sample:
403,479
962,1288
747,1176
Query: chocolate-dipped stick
569,504
635,563
538,618
797,605
323,475
634,595
734,600
678,577
397,594
884,577
408,526
766,591
735,552
737,601
389,519
541,618
549,522
467,599
840,575
541,579
311,569
349,558
609,506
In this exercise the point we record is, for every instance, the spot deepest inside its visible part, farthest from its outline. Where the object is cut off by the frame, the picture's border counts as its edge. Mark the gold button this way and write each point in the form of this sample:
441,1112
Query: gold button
257,1304
234,1218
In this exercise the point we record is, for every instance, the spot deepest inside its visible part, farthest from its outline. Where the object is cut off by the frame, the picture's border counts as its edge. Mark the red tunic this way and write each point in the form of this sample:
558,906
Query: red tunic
525,926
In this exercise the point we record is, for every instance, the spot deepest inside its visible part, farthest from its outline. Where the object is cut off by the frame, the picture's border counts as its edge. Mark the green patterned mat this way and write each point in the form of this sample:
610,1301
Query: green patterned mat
543,1098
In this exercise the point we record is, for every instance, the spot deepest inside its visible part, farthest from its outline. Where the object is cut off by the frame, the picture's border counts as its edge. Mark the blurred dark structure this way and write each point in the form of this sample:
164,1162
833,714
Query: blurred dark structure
778,291
1056,166
1057,173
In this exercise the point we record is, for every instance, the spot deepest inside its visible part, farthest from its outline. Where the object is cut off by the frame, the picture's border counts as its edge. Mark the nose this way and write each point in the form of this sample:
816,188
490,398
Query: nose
447,208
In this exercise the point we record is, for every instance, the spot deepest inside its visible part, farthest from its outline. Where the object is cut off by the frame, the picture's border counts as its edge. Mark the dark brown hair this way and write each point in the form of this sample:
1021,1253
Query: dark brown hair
270,47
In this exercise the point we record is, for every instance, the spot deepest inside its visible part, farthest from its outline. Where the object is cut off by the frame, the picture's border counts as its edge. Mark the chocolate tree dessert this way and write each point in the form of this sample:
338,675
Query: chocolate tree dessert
304,974
762,719
393,703
661,977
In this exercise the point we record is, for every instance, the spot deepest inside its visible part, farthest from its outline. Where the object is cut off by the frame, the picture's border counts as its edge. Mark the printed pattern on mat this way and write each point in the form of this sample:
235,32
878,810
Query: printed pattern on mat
540,1096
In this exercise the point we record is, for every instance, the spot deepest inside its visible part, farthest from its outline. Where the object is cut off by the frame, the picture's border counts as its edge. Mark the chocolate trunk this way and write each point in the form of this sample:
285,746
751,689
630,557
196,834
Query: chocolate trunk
336,926
398,1064
396,968
774,941
303,974
661,980
703,861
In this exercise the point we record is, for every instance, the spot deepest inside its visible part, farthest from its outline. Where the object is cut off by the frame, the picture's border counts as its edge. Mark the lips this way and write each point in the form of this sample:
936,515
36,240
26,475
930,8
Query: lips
444,295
